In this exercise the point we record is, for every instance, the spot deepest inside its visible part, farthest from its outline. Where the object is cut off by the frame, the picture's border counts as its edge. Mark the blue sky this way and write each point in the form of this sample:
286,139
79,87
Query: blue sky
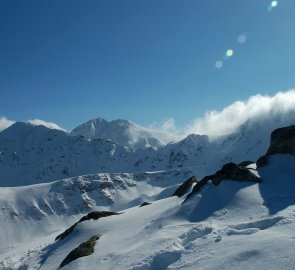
68,61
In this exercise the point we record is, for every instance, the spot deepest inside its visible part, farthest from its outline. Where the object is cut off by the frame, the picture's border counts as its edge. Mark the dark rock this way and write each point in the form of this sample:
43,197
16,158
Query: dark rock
234,172
84,249
230,171
66,232
262,161
198,186
92,215
185,186
97,214
246,163
282,141
144,204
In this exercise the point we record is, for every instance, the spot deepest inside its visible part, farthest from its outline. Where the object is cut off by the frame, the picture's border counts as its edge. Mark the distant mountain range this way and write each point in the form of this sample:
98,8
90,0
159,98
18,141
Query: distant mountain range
32,154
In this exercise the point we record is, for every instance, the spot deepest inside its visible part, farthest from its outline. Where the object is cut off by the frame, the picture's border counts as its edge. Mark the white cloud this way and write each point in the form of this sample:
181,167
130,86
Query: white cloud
40,122
216,123
167,125
5,123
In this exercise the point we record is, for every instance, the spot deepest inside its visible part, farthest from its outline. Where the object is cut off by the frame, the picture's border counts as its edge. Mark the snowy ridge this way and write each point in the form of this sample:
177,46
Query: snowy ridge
35,154
124,133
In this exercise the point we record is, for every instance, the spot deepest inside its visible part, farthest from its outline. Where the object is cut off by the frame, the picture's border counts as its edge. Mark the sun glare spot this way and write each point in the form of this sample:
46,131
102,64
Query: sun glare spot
229,53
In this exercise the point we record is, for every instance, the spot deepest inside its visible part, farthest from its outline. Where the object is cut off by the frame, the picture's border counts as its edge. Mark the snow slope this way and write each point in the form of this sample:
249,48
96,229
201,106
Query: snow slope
124,133
33,211
231,226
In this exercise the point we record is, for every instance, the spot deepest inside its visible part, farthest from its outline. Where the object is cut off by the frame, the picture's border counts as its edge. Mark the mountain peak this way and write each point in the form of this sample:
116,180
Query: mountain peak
123,132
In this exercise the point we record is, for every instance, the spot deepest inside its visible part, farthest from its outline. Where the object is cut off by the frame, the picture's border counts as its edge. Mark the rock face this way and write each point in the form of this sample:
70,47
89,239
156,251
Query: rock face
230,171
282,141
84,249
234,172
92,215
185,186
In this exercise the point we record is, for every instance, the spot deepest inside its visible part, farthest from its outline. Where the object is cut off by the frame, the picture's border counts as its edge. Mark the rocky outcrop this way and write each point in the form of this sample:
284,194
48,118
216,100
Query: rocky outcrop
246,163
92,215
229,171
282,141
185,186
84,249
145,204
234,172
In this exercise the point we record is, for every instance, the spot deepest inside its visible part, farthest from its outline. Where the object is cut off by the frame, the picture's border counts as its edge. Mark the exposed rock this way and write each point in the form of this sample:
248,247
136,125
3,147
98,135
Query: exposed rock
246,163
230,171
262,161
97,214
234,172
84,249
282,141
92,215
198,186
144,204
185,186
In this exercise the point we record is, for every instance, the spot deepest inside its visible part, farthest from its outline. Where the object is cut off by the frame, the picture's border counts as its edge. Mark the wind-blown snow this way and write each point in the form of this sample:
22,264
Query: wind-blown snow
5,123
257,108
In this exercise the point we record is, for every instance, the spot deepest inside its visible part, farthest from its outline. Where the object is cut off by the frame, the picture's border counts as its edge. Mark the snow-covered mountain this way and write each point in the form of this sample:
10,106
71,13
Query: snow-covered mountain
35,154
123,132
233,225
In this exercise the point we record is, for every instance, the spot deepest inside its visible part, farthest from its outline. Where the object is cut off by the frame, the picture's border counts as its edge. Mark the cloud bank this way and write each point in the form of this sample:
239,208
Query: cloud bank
217,123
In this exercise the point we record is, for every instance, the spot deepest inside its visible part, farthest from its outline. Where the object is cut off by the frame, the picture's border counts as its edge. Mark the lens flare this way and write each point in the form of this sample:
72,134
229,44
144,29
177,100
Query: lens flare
242,39
229,53
219,64
274,4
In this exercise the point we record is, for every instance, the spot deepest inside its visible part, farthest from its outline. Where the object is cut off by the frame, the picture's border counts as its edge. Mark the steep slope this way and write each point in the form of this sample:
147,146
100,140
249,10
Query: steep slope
124,133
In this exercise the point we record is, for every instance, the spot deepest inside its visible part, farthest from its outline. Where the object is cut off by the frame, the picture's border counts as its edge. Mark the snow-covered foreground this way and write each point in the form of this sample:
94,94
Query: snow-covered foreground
231,226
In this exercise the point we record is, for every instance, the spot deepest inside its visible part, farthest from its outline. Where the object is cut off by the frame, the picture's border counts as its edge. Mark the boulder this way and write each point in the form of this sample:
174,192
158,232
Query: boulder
185,186
234,172
84,249
282,141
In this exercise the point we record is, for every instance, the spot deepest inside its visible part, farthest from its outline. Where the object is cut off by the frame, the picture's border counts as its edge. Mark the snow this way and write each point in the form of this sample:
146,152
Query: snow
31,154
124,133
231,226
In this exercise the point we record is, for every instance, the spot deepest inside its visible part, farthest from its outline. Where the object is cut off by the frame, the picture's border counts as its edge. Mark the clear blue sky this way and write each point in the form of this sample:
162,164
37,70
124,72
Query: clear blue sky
68,61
